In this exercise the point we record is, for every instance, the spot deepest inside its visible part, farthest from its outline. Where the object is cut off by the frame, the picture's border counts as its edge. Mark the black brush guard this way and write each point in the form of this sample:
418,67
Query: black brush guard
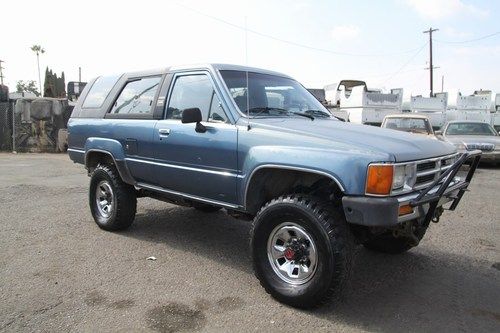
433,199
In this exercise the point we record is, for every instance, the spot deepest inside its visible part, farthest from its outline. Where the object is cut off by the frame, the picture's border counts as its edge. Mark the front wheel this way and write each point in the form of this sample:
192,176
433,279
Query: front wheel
302,250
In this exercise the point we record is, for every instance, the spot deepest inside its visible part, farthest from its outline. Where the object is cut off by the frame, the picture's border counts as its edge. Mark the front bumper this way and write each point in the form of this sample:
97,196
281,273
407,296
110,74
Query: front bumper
384,212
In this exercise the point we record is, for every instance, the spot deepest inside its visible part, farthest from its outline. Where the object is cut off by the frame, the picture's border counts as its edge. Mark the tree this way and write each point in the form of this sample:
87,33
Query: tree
54,86
38,50
27,86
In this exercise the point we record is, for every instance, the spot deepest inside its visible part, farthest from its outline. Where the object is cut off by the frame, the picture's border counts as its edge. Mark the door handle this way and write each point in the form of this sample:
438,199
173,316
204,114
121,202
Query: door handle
164,131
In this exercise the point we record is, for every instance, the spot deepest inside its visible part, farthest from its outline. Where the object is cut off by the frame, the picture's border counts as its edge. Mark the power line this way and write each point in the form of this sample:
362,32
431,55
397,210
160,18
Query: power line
470,40
406,63
289,42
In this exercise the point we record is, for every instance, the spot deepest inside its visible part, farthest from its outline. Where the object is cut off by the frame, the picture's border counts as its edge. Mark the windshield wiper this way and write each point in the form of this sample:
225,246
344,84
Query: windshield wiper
303,115
318,113
261,109
279,110
324,114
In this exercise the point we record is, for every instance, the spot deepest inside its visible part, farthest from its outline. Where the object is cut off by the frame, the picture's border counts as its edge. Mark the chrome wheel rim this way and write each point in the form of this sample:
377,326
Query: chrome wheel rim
104,199
292,253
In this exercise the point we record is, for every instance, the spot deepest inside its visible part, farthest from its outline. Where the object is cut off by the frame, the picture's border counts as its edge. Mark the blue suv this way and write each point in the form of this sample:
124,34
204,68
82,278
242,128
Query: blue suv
259,145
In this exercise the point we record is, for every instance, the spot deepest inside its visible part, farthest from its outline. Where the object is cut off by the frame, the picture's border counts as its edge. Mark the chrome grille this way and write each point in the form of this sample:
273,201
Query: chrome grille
429,170
426,166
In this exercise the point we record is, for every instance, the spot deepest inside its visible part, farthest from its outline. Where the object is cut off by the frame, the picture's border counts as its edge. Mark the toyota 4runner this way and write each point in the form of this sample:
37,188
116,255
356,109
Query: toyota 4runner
259,145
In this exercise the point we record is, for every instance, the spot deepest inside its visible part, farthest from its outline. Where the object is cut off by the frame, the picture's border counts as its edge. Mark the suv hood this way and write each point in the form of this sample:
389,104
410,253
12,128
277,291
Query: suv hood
401,146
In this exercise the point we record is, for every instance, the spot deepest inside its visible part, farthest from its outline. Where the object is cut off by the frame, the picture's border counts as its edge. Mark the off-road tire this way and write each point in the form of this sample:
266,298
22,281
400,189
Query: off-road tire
331,235
124,203
387,243
206,208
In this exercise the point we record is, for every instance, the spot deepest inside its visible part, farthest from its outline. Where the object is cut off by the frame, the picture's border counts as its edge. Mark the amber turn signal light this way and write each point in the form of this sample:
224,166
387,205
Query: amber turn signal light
379,180
405,210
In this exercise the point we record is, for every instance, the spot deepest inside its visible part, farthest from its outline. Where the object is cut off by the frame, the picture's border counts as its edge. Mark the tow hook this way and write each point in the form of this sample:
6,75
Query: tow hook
437,214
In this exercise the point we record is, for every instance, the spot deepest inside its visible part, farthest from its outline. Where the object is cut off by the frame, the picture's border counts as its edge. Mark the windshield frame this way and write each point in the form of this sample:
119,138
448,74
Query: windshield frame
231,101
495,133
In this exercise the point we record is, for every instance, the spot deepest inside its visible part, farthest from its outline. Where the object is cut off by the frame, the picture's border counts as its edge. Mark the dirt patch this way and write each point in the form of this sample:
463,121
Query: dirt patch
485,313
95,298
230,303
175,317
122,304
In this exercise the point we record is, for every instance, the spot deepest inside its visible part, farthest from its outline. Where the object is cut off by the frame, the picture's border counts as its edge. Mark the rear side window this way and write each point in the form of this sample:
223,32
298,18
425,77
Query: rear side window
137,96
99,91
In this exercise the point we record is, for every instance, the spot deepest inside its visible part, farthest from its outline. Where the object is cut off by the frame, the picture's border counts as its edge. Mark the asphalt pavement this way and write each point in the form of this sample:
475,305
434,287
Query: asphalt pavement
60,272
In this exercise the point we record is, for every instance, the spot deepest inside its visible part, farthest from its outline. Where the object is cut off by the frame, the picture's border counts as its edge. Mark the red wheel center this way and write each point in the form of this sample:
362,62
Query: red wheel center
289,253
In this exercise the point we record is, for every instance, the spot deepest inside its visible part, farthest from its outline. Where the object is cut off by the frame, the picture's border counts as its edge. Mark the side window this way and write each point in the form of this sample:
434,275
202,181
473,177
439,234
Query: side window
217,114
136,97
190,91
99,91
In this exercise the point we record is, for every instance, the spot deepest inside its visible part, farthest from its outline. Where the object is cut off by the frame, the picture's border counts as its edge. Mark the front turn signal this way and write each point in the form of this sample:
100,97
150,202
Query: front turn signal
379,179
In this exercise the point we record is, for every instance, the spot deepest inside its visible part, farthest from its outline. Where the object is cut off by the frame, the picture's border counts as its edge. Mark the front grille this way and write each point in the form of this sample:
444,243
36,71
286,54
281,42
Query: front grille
426,166
430,170
425,179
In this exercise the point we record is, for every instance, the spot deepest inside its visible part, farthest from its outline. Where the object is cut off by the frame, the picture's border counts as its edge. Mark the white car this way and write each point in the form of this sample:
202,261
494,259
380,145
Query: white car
412,123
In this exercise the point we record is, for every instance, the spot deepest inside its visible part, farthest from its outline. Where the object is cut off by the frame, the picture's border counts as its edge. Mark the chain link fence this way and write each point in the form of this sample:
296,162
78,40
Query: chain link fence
6,112
34,125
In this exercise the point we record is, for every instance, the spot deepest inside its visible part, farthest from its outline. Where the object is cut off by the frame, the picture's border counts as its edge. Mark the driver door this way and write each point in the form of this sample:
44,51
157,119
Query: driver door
199,164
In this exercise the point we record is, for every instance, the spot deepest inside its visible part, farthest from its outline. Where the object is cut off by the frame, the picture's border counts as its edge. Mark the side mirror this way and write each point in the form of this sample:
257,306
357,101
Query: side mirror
193,115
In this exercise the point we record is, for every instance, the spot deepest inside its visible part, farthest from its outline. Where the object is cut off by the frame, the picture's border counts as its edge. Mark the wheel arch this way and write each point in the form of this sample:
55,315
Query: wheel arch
270,181
95,156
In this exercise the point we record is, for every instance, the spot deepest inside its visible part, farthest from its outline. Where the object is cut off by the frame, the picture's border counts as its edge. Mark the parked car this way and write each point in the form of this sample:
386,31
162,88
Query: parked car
411,123
473,135
258,144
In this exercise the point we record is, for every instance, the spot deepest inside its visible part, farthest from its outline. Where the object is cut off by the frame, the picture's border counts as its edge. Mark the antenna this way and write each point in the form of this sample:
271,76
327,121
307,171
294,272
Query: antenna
246,71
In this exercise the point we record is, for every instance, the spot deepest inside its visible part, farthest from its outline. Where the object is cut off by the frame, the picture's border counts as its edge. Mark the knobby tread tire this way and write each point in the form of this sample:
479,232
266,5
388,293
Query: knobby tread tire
124,195
338,235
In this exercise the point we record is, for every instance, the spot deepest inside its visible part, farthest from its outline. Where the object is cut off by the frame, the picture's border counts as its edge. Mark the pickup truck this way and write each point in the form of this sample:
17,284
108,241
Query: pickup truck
257,144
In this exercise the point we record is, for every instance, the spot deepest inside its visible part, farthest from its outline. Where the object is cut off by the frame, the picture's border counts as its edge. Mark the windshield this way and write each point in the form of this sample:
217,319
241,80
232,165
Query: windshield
271,95
470,129
414,125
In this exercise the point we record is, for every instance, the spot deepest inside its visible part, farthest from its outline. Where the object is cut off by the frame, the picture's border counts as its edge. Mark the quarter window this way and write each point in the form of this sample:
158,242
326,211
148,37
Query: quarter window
99,91
137,97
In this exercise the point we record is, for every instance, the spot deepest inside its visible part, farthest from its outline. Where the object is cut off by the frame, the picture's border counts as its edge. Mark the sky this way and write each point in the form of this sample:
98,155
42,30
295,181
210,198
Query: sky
318,42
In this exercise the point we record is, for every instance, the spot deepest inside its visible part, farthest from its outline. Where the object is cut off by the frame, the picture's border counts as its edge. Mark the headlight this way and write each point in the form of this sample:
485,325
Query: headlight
384,178
404,175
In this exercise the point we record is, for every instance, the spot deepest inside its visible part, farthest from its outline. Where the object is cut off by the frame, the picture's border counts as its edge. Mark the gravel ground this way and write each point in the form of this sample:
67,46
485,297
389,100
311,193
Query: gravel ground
59,272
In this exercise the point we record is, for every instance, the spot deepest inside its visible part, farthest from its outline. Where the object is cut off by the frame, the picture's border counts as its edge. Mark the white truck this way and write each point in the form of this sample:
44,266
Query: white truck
475,107
495,112
434,108
357,104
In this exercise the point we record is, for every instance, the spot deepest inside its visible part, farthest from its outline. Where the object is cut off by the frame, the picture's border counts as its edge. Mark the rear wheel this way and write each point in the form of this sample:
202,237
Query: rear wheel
302,250
112,202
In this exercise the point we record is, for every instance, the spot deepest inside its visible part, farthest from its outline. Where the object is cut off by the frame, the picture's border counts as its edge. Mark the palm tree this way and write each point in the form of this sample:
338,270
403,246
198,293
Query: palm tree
38,50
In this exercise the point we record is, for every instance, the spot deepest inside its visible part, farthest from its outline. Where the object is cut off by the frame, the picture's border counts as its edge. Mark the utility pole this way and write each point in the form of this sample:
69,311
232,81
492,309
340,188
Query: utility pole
1,73
431,67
